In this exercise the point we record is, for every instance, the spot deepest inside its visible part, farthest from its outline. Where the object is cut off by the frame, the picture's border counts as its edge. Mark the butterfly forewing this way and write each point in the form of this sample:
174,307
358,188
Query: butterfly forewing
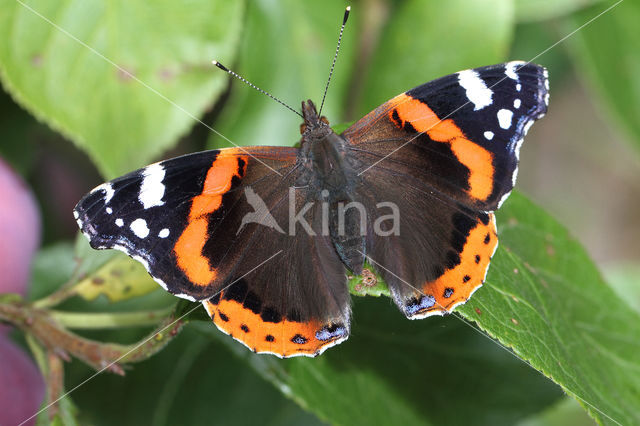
461,133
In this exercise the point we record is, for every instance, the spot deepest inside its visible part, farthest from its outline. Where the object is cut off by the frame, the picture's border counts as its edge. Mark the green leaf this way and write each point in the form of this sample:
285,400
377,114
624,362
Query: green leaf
287,51
394,371
426,40
106,110
567,412
195,380
539,10
545,299
120,279
606,54
52,267
625,280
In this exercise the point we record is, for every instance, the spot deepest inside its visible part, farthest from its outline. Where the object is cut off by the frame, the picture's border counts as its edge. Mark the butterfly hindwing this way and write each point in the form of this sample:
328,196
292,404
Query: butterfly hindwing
297,303
441,252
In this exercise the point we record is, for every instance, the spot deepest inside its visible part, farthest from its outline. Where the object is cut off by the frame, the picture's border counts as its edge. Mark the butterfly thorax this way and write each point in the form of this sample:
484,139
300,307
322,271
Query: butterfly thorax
331,178
324,155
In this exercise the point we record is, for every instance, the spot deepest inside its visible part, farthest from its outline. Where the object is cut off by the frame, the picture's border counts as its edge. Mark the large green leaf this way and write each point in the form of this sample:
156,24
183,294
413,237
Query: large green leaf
287,50
394,371
426,40
194,381
545,299
113,113
606,52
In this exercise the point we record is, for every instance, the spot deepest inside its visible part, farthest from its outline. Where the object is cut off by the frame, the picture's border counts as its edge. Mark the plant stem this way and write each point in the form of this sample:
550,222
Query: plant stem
90,321
55,298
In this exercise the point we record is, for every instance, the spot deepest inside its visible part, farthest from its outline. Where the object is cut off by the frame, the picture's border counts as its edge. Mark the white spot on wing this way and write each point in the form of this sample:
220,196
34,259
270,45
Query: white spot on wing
510,69
518,87
139,227
164,233
76,215
108,191
517,103
477,91
504,118
152,188
109,210
119,222
488,135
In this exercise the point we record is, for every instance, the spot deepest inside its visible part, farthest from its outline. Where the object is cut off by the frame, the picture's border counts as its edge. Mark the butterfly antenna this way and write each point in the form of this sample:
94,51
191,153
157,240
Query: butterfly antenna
227,70
335,57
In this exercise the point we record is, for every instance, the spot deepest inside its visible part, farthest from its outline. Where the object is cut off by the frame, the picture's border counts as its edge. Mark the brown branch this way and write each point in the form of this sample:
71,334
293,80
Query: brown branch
62,342
55,383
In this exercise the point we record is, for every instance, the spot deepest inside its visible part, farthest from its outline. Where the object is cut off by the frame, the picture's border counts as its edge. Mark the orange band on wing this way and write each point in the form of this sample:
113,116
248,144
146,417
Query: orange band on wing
217,183
284,338
188,248
478,160
456,285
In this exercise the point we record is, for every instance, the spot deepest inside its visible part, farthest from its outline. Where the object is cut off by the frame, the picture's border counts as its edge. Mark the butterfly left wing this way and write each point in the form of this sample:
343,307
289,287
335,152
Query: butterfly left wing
446,154
198,224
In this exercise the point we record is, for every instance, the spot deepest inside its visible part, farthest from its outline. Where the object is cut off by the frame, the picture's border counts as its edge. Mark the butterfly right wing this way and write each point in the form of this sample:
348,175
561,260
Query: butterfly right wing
446,154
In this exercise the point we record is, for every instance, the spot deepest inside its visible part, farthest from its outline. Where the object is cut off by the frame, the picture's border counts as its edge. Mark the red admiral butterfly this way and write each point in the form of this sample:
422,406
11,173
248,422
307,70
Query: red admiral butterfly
209,226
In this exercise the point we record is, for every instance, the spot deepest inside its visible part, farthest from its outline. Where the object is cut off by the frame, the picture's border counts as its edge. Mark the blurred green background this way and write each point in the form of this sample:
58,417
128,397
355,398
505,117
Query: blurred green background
106,87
